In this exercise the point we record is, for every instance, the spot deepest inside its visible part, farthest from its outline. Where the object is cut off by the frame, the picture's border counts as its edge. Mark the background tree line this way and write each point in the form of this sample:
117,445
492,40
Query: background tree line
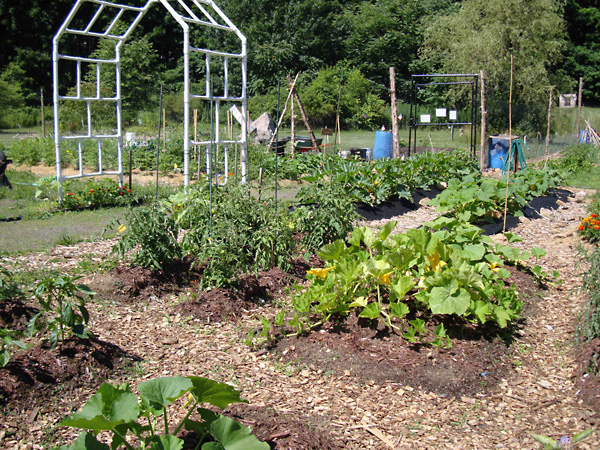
333,43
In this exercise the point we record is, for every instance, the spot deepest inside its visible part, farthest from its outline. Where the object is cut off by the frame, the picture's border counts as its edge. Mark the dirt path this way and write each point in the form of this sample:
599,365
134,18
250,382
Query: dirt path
540,396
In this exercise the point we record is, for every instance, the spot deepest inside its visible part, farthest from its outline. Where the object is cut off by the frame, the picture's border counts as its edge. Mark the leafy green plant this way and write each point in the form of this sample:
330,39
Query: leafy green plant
564,443
447,268
9,289
576,158
63,307
9,338
234,233
151,233
325,215
135,424
97,194
477,201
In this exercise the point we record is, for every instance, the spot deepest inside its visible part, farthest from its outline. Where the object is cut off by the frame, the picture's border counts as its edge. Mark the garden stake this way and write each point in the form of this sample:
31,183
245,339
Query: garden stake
509,143
158,140
277,142
548,131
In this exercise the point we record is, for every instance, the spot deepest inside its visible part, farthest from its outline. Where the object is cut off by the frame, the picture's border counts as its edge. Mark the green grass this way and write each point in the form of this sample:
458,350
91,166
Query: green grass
8,136
67,228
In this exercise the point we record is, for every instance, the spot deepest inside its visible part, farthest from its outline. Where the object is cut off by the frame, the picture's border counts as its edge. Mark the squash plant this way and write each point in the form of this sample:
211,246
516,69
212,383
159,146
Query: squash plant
135,424
446,268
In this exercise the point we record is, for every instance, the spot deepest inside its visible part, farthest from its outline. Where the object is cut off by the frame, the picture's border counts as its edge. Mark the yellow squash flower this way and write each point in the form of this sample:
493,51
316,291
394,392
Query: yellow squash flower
385,278
320,273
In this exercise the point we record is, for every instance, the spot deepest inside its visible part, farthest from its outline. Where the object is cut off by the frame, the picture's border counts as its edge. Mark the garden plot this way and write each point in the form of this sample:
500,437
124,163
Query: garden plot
478,394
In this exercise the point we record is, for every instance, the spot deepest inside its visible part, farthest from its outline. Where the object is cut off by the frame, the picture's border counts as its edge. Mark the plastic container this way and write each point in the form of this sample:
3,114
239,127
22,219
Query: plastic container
498,150
384,145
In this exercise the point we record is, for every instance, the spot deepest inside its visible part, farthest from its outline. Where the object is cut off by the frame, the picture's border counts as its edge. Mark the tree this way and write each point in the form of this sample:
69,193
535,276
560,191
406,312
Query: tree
583,51
483,34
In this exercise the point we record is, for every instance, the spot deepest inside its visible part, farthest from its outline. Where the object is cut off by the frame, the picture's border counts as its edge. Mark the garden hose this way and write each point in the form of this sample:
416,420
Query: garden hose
516,146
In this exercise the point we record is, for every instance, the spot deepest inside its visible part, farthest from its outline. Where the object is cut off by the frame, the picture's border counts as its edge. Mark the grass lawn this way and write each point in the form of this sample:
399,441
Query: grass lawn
63,228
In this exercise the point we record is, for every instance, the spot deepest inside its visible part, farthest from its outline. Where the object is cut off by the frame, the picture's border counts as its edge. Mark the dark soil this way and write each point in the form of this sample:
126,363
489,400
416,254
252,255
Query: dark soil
33,376
588,373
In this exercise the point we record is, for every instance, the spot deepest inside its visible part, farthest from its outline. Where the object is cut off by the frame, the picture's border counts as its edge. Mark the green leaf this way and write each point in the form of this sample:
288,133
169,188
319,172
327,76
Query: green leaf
402,285
161,392
86,441
481,311
359,302
449,299
473,252
387,229
218,394
212,446
399,309
168,442
538,252
581,436
110,406
504,273
547,442
235,436
369,238
279,318
512,238
371,311
400,258
333,251
410,335
419,325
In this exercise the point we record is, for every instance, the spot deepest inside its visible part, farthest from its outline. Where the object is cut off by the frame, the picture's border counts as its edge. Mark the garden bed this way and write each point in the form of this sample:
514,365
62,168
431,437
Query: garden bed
369,390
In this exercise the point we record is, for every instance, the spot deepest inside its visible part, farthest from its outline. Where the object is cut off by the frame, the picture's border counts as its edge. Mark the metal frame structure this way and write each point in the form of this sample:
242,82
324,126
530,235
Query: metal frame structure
188,14
413,123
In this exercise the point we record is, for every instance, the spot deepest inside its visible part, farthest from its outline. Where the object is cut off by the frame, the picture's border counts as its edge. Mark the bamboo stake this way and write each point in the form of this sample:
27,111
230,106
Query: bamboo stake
196,136
509,143
579,108
42,105
164,124
395,137
284,110
293,128
548,132
482,164
305,119
338,132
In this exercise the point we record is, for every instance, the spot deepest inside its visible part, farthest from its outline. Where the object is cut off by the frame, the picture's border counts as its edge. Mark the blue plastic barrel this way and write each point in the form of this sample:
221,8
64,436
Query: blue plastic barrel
384,145
498,151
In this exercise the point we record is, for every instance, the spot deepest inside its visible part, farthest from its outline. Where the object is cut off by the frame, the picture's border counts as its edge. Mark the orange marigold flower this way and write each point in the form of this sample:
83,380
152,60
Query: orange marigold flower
596,227
594,216
580,227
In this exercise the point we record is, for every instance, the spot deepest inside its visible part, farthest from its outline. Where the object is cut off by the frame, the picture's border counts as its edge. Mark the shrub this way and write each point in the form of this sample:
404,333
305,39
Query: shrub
580,157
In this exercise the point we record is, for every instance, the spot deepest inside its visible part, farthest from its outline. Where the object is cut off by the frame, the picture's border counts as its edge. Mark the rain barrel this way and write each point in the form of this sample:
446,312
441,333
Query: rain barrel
383,147
498,150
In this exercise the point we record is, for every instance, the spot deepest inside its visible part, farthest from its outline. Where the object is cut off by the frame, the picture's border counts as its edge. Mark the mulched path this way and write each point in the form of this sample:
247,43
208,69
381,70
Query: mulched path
348,387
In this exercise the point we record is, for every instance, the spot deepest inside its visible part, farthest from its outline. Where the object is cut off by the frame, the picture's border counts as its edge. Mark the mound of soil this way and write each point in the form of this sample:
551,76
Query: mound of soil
33,375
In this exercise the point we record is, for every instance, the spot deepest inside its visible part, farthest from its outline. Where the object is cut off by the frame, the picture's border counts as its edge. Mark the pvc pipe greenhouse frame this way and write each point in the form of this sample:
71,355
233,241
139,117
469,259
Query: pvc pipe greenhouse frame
188,14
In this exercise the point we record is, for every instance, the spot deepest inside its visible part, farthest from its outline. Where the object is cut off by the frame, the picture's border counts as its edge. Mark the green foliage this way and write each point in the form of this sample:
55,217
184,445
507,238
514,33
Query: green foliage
576,158
446,268
374,183
9,289
564,443
63,306
117,410
476,201
98,194
232,233
325,215
32,151
151,232
483,35
590,322
9,339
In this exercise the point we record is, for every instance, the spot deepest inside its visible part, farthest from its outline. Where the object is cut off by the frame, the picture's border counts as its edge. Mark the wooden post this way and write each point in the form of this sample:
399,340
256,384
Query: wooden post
549,121
164,124
482,155
42,104
293,127
284,109
579,108
305,118
395,137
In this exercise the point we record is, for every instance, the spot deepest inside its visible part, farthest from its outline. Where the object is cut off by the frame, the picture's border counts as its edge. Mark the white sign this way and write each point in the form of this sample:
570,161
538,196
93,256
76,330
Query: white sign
440,112
425,118
452,115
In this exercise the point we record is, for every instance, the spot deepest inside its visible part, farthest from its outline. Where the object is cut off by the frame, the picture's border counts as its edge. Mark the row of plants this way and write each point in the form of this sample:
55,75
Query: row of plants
446,268
383,179
476,200
228,232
